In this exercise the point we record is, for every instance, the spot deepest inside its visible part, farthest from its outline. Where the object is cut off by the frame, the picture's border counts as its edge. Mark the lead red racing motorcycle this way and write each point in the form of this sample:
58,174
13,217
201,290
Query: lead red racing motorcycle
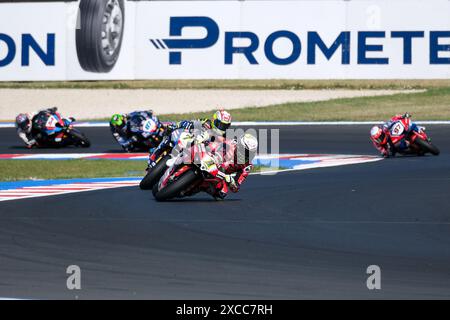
419,142
161,155
188,174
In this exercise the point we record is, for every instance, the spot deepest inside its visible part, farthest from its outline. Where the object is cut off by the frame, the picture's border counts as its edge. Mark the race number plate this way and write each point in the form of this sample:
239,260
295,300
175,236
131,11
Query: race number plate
51,122
397,129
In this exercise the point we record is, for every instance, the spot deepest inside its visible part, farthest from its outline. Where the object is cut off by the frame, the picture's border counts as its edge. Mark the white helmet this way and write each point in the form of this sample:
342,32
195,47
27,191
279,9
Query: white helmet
377,134
246,148
221,121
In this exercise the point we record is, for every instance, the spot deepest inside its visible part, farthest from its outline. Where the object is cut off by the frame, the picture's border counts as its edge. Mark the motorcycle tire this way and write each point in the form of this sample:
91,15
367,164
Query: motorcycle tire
155,189
427,146
176,187
96,29
154,174
79,139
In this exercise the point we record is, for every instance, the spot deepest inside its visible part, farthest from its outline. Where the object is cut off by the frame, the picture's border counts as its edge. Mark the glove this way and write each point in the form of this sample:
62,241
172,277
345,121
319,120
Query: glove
234,187
201,138
31,144
231,183
185,139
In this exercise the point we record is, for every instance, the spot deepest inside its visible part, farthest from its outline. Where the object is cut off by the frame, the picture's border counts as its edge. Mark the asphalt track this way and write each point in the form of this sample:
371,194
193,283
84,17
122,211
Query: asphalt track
295,235
293,139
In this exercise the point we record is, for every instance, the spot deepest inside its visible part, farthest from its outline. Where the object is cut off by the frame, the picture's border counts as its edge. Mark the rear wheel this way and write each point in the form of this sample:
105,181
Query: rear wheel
155,189
154,174
427,146
175,188
79,139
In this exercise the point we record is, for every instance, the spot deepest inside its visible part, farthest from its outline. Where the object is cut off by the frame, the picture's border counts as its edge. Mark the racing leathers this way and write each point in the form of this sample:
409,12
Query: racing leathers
37,130
26,134
383,144
200,131
232,173
394,137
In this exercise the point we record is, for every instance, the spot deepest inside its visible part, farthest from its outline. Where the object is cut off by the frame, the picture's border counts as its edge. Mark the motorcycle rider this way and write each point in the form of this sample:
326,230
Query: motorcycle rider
32,127
391,136
232,157
200,131
208,130
129,129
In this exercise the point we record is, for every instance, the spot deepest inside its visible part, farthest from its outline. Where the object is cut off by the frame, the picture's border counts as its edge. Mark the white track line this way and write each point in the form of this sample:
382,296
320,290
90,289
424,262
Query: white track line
39,191
268,123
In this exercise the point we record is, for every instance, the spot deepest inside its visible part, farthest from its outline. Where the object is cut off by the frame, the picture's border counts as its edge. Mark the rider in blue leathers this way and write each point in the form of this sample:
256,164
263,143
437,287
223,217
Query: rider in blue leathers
138,129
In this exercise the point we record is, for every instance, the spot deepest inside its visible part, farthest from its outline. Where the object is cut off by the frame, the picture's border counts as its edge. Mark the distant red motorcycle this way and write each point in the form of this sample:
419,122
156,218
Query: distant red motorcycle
420,143
188,174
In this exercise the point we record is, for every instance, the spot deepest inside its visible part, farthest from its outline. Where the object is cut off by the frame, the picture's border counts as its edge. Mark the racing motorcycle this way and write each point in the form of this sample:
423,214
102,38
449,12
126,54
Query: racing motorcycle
145,133
160,156
60,133
420,143
188,174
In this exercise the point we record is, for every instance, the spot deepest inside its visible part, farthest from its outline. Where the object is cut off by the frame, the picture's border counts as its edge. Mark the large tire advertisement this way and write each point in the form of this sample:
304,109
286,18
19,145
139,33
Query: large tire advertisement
99,36
258,39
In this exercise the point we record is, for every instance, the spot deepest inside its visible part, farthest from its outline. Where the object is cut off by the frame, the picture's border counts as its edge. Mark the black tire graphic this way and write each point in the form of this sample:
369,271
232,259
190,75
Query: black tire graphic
100,33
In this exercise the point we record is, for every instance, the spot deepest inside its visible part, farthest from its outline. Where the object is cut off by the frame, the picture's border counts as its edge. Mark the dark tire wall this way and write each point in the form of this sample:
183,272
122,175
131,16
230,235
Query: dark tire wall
427,146
88,37
154,175
80,139
174,189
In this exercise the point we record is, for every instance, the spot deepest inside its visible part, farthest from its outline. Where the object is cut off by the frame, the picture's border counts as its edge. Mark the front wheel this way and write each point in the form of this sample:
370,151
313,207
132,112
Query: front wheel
154,174
174,189
427,146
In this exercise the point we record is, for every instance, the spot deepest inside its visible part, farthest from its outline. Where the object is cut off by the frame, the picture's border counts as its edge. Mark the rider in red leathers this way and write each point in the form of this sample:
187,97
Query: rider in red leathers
232,157
380,138
390,137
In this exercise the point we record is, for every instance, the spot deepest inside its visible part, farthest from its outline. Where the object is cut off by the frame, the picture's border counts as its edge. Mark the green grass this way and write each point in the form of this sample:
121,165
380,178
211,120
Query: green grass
231,84
433,104
15,170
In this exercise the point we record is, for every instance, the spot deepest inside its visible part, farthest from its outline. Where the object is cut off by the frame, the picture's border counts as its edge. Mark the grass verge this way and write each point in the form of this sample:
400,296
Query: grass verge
274,84
15,170
433,104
